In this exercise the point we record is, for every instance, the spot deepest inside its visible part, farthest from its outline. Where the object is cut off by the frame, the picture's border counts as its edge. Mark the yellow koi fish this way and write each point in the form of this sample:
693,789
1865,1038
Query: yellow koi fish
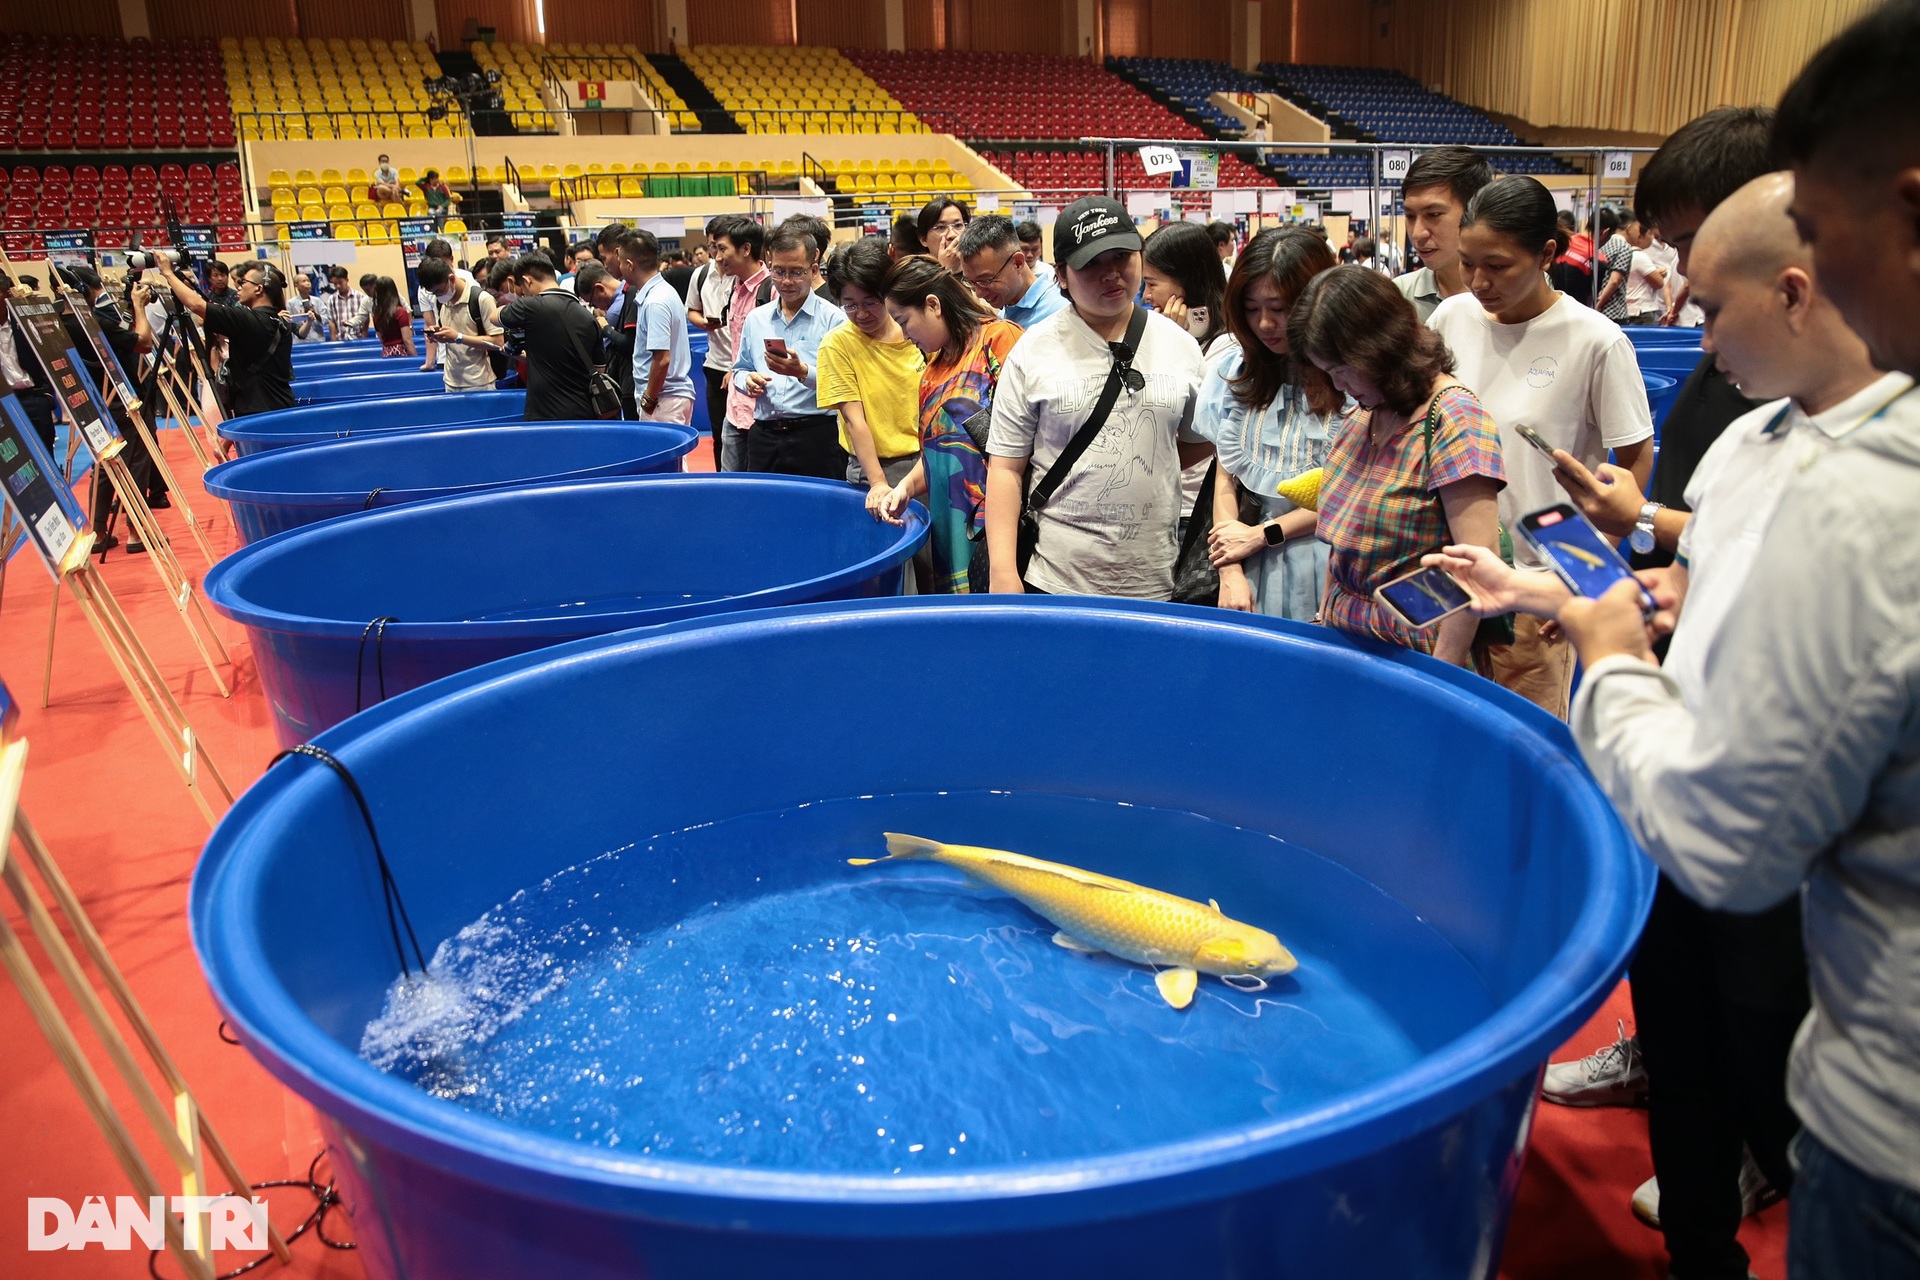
1178,936
1581,554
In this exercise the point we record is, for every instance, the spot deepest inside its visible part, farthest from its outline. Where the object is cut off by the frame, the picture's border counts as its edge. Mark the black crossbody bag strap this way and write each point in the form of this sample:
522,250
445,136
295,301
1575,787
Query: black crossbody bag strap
1124,352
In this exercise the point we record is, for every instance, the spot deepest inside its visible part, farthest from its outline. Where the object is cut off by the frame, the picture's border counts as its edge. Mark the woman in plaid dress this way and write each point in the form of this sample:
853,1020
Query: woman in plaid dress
1415,466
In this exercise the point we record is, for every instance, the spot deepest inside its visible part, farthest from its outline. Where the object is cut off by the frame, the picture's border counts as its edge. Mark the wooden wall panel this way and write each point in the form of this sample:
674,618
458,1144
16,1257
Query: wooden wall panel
1020,26
1191,29
512,20
1332,32
586,22
369,19
844,24
175,18
72,18
1276,31
1129,28
926,24
1643,66
740,22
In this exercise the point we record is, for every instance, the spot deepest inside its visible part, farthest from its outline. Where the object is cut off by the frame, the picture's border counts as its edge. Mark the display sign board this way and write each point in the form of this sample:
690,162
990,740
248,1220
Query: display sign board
517,232
32,486
1618,166
72,385
1394,166
414,234
72,247
309,231
1201,170
593,94
1157,160
197,240
89,324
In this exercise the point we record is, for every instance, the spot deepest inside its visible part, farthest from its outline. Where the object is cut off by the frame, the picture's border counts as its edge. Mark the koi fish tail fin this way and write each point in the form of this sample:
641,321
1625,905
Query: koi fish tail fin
903,848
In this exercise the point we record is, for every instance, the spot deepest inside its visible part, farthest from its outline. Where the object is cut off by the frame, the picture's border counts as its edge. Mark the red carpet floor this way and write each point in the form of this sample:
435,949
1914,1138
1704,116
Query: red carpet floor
123,828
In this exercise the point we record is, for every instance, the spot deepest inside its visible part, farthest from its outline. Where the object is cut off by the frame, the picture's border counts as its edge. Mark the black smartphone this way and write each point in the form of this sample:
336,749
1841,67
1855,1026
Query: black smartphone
1423,598
1579,554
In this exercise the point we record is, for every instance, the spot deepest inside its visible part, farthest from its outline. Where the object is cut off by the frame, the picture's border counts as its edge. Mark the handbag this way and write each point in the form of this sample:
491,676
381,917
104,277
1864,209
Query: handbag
601,389
1195,580
1495,630
1033,497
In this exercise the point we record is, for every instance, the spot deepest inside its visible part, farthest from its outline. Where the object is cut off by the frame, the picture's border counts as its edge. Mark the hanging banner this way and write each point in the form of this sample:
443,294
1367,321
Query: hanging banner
30,481
69,248
72,385
309,231
1201,170
517,232
414,234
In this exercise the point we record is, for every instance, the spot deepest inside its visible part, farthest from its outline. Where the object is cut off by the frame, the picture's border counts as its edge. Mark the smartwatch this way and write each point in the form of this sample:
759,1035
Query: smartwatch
1274,533
1642,538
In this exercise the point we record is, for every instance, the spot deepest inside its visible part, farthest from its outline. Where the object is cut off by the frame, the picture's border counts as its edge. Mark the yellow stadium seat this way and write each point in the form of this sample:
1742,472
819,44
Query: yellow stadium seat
454,227
358,178
339,212
305,178
365,210
336,195
456,174
278,178
311,195
408,176
313,213
345,231
286,213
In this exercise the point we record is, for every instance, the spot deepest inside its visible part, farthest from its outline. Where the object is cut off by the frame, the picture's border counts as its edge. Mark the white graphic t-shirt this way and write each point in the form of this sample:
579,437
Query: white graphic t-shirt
1569,373
1109,529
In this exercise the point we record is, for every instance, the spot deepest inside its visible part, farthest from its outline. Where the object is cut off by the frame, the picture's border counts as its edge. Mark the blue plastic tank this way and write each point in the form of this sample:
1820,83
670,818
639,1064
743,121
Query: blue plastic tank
368,360
306,424
1661,390
486,575
405,378
1450,798
288,488
1676,361
1653,335
697,350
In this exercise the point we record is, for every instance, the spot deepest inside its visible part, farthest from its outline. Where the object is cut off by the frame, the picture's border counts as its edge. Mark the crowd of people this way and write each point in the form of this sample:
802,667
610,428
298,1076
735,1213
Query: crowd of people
1289,426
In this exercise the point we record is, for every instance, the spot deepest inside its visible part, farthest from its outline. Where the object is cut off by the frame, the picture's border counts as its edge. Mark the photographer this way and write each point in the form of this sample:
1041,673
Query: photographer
259,366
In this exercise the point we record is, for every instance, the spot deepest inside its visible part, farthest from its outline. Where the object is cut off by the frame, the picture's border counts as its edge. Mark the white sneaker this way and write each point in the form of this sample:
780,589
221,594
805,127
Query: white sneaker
1613,1076
1756,1193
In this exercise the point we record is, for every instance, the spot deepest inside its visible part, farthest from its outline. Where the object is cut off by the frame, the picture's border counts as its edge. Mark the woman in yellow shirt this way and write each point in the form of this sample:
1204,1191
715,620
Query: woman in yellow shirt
870,373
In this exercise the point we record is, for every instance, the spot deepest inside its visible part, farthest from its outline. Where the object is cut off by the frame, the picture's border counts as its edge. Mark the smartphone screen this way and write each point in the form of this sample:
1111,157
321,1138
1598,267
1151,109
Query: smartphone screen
1424,597
1535,439
1579,553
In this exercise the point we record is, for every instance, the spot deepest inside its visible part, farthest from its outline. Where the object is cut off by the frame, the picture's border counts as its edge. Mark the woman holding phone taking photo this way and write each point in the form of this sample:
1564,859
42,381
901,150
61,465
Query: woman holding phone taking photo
1415,467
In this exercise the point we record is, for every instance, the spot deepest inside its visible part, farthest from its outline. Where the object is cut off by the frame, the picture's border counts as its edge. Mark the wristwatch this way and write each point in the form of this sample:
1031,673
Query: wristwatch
1274,533
1642,537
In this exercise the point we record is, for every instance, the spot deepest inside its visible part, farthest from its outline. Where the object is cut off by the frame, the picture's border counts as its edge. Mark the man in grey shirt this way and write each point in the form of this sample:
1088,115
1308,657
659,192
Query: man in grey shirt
1800,771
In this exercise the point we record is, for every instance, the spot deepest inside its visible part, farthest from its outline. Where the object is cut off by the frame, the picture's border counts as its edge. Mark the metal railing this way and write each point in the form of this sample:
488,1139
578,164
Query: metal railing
274,126
837,120
557,70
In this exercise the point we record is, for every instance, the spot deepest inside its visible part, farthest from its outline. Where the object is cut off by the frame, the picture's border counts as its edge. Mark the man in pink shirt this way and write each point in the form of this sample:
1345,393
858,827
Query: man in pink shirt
738,249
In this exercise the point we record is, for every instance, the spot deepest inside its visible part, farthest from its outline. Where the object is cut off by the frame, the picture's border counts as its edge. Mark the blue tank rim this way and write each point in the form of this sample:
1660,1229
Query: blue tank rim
238,429
220,592
220,481
1504,1049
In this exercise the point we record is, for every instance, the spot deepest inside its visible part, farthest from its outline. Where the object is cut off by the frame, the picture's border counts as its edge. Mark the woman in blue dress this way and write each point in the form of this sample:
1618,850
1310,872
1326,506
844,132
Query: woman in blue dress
1271,419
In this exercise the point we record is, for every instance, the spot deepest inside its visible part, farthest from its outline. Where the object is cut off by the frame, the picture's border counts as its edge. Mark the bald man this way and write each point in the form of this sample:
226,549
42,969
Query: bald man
1718,996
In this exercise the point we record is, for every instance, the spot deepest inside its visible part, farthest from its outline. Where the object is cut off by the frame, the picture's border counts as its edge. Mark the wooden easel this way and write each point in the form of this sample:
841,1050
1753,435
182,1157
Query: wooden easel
187,1135
106,450
123,392
107,453
143,680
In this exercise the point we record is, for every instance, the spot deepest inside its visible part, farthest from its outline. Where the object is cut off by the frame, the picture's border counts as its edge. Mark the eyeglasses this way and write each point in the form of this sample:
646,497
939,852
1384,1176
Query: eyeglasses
790,273
871,304
986,282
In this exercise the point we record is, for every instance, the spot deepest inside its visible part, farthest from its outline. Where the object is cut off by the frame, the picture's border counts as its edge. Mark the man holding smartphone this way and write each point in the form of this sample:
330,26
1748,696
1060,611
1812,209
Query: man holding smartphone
777,364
